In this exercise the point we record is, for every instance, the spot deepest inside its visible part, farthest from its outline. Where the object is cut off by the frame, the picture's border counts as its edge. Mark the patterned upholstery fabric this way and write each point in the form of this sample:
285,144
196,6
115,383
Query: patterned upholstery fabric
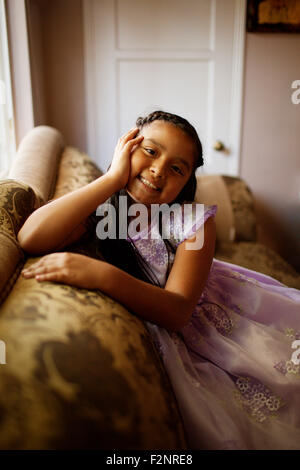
242,249
16,203
81,371
245,250
76,169
243,208
259,258
37,161
213,190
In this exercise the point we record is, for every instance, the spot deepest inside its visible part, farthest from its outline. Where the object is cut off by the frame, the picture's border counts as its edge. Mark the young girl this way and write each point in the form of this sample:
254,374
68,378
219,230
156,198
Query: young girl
225,333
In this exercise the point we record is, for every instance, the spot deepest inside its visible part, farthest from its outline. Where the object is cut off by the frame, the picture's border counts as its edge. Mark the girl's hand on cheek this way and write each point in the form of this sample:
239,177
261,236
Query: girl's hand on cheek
120,165
67,268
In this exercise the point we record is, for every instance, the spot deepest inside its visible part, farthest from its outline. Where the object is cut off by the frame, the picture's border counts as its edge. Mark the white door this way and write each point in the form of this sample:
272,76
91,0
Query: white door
184,57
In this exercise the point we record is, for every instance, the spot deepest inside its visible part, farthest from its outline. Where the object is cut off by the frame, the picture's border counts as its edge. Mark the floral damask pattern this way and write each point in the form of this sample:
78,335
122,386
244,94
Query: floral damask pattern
17,202
62,342
79,365
243,208
76,170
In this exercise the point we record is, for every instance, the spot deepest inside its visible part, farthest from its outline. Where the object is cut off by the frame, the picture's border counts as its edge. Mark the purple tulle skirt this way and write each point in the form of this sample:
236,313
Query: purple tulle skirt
235,368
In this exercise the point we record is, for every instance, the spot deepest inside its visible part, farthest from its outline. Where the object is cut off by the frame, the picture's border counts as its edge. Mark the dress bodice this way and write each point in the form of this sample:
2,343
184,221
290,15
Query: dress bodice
180,225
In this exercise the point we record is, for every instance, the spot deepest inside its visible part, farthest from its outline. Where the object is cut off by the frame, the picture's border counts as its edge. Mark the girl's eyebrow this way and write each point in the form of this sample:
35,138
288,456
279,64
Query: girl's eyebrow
156,143
164,148
185,163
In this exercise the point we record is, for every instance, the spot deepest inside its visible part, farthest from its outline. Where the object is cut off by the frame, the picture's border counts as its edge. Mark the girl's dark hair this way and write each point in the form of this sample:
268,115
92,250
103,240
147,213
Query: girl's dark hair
189,190
124,254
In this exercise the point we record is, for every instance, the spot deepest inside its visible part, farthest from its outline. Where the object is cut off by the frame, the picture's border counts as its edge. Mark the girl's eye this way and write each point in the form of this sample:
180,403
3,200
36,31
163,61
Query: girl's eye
178,170
151,151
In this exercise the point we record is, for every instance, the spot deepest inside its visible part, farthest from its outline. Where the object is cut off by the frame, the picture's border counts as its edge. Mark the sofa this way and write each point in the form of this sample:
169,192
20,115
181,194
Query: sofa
239,233
80,371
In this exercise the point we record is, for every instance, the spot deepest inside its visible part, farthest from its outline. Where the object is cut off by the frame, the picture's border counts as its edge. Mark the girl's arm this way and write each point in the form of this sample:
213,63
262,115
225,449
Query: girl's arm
169,307
61,221
172,306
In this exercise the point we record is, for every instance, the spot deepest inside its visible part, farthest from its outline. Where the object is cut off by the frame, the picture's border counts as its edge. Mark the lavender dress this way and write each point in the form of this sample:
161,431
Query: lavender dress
233,367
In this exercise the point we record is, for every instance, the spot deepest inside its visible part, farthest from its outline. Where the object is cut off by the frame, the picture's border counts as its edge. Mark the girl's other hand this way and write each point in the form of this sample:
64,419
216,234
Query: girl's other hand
67,268
120,165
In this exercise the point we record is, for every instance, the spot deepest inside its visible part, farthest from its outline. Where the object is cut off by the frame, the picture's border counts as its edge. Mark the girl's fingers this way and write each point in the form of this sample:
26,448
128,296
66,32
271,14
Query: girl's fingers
48,259
128,134
38,268
34,272
134,141
43,274
28,271
34,265
133,130
48,277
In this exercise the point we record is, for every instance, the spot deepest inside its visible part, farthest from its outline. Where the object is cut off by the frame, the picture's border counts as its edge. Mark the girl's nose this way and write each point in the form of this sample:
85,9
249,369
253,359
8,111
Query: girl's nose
157,170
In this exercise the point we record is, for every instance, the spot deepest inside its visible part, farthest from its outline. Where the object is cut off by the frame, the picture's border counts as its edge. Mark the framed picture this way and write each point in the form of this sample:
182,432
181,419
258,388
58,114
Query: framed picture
273,16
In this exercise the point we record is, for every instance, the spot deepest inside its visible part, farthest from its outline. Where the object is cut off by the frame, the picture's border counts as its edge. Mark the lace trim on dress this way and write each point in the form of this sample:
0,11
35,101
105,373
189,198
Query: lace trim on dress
256,399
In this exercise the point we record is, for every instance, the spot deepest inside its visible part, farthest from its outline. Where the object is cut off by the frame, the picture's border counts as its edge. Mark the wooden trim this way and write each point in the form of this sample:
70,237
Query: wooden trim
237,90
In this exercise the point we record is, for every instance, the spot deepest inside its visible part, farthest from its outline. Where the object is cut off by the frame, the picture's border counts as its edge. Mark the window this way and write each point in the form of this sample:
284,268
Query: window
7,133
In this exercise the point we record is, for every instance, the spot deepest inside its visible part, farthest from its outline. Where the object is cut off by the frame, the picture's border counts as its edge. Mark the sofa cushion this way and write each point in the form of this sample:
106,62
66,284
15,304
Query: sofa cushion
243,208
258,257
16,203
211,189
81,373
37,161
76,169
235,219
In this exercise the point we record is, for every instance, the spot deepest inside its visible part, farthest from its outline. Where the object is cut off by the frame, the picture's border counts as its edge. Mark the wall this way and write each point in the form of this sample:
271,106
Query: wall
36,47
271,139
270,157
56,44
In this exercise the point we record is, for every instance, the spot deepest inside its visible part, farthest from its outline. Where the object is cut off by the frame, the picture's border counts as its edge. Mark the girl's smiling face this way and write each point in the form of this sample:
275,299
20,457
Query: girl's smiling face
165,159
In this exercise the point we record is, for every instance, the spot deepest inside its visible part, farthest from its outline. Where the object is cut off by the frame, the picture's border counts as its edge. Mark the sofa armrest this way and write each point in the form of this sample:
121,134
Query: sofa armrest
235,218
16,204
37,161
242,202
260,258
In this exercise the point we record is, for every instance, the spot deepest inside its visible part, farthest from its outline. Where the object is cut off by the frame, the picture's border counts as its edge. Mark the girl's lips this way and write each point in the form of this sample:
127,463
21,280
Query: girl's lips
145,186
